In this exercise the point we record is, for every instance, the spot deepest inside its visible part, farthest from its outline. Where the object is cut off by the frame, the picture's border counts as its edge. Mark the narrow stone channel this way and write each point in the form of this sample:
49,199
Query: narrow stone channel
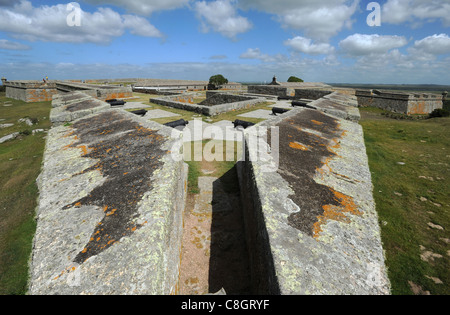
214,255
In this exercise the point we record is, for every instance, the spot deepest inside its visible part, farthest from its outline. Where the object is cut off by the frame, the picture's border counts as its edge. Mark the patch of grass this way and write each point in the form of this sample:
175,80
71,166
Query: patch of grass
20,164
408,197
226,154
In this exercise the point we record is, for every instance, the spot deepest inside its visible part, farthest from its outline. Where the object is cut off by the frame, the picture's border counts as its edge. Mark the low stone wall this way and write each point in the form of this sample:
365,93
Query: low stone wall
181,102
400,102
109,217
310,217
30,91
311,94
217,98
102,92
270,90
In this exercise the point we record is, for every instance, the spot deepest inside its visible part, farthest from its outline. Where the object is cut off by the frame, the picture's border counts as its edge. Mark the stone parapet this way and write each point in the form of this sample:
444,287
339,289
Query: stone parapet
109,217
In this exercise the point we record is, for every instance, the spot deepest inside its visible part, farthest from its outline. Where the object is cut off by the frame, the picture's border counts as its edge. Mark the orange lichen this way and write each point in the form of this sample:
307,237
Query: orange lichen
84,149
337,213
316,122
296,145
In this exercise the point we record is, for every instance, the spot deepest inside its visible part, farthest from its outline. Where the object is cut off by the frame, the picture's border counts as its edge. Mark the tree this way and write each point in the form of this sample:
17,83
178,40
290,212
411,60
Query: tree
294,79
218,79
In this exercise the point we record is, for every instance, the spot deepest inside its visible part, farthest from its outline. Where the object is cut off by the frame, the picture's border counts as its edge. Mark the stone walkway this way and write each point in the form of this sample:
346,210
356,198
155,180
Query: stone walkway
213,253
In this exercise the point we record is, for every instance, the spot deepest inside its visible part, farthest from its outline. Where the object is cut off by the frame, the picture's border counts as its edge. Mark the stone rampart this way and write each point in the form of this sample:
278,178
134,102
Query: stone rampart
185,101
30,91
310,217
109,217
397,102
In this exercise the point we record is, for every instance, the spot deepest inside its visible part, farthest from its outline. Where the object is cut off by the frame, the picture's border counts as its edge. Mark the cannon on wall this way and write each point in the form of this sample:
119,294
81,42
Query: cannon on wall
140,112
177,123
301,104
242,123
277,110
283,98
115,102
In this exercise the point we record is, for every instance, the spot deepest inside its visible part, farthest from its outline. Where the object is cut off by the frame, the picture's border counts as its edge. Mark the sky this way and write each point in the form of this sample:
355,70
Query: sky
331,41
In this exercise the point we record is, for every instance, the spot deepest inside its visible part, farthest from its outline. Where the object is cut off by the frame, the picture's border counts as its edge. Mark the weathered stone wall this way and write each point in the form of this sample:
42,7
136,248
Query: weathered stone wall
400,102
270,90
102,92
109,217
216,98
311,94
310,217
174,101
30,91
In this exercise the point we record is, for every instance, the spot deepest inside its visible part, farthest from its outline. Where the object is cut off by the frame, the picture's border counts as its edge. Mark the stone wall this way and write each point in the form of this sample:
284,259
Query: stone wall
271,90
184,102
310,217
216,98
102,92
30,91
311,94
109,216
400,102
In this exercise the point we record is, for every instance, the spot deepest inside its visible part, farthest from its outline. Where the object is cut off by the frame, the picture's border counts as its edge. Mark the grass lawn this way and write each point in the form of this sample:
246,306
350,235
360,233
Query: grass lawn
410,165
20,164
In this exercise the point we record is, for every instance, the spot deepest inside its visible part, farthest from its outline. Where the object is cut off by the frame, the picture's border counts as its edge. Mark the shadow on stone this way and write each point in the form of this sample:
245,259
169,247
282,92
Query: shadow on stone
229,263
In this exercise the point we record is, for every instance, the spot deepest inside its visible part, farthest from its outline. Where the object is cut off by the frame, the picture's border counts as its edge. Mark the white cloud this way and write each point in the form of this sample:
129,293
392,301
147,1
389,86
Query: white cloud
416,11
222,17
435,44
143,7
320,19
362,44
7,44
305,45
255,53
49,23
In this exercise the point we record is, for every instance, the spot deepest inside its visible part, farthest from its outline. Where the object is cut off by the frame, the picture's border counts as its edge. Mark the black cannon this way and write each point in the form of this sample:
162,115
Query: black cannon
115,102
242,123
140,112
177,123
283,98
301,104
277,110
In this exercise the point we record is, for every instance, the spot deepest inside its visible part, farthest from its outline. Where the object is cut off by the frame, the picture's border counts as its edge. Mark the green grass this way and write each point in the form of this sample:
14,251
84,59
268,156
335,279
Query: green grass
20,164
220,168
424,147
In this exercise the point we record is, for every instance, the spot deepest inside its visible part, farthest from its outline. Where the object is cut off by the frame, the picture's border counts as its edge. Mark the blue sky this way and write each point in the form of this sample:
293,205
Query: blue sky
245,40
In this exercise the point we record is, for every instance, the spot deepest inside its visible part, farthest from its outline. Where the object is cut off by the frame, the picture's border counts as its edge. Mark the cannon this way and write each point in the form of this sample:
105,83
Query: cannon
301,104
283,98
277,110
115,102
242,123
140,112
177,123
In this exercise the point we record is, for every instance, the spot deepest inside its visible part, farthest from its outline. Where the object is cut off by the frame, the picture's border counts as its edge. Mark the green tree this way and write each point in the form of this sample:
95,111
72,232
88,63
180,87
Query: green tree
218,79
294,79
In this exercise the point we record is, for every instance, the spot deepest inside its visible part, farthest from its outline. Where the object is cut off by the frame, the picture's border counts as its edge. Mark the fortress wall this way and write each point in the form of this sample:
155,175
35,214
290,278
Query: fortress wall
186,102
109,217
402,103
311,94
30,91
310,217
